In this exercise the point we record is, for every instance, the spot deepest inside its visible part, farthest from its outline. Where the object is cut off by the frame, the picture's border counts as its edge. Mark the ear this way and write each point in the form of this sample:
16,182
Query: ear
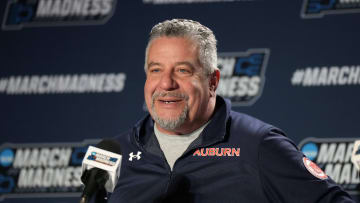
214,81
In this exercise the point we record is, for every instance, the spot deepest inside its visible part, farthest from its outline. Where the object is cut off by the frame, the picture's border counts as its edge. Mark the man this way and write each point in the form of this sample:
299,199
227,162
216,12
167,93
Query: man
188,148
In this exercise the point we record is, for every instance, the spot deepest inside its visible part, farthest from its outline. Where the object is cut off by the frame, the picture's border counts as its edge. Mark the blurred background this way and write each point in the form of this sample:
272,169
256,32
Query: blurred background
71,73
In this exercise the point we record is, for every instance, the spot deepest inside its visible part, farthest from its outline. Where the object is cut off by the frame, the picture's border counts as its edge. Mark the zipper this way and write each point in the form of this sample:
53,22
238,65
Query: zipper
166,164
170,173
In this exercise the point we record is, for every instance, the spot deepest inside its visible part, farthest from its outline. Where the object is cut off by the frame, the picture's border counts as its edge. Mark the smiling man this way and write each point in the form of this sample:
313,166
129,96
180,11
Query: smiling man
179,92
193,148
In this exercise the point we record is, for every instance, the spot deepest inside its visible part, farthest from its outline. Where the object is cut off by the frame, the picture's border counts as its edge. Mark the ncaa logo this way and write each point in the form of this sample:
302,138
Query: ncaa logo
310,150
319,8
242,75
6,157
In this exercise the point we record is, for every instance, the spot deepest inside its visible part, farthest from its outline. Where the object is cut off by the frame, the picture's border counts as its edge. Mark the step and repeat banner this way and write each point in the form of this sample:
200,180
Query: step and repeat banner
71,73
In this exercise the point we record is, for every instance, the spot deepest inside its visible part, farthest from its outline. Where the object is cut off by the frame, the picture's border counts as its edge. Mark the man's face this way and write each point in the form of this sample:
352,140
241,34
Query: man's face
176,89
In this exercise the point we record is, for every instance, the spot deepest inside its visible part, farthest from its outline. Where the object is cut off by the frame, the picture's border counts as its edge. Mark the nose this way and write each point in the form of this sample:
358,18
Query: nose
168,81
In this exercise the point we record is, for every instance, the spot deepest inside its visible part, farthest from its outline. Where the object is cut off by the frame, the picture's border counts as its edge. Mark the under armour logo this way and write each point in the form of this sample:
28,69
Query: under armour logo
137,156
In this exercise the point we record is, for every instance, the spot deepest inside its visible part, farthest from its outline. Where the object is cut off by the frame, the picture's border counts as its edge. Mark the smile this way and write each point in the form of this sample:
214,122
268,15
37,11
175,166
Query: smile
169,101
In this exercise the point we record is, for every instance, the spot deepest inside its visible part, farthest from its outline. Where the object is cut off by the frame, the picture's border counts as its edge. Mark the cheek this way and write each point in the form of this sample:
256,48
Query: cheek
196,92
199,88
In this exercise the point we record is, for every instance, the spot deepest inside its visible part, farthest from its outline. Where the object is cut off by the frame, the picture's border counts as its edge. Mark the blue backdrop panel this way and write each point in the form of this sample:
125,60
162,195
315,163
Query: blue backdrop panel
71,72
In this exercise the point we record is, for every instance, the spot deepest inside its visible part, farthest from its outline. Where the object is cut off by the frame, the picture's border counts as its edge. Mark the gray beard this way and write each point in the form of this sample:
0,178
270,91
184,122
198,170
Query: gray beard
170,123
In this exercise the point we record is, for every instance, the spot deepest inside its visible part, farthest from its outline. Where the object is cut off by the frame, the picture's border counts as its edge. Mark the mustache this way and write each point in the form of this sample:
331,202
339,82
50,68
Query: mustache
169,94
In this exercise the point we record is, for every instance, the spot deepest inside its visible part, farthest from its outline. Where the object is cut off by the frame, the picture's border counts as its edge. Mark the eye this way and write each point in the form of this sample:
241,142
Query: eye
184,70
154,70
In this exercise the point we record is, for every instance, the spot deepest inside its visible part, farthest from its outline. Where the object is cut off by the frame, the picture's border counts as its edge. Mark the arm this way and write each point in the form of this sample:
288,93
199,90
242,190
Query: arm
286,178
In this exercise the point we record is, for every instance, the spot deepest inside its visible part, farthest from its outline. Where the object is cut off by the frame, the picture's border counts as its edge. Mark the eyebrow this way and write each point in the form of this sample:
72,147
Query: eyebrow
153,64
185,63
176,64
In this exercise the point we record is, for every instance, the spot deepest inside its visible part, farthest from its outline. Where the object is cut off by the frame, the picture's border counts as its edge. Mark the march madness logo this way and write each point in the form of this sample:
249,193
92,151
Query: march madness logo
33,13
318,8
33,170
333,155
102,158
326,76
242,75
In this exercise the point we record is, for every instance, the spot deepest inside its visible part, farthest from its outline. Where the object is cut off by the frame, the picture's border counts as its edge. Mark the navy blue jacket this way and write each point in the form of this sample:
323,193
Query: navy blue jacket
236,158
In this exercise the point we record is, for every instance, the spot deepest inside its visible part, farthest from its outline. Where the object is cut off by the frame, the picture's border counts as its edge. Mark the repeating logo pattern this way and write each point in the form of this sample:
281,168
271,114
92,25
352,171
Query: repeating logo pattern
62,84
319,8
33,170
34,13
242,75
326,76
333,156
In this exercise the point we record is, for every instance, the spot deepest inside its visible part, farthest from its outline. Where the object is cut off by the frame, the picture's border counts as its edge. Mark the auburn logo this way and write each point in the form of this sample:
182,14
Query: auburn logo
217,152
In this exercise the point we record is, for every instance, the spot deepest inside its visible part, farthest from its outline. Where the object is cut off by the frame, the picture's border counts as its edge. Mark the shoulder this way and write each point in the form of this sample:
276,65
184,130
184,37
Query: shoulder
286,174
143,126
124,136
251,126
251,134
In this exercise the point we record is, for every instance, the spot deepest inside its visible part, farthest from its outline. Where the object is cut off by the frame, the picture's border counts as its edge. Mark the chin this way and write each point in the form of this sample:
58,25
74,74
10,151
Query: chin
167,116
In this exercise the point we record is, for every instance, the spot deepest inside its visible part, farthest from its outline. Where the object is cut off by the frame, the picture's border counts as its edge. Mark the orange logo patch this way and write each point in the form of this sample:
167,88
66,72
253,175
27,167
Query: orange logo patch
314,169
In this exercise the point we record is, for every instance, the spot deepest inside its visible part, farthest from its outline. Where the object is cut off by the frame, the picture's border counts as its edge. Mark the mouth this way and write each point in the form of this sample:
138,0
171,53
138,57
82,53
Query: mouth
169,100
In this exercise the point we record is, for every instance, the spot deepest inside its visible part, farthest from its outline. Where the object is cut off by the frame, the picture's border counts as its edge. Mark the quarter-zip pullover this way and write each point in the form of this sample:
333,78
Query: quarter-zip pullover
237,158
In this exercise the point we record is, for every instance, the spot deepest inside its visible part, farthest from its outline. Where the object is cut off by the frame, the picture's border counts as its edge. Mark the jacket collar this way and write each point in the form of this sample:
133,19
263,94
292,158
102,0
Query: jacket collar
215,131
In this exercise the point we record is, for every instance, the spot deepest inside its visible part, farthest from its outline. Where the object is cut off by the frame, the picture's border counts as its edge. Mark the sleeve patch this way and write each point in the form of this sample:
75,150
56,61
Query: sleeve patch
314,169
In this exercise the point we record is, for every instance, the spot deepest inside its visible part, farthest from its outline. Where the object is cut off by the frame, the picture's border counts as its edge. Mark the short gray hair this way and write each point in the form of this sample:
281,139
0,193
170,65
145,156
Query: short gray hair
200,34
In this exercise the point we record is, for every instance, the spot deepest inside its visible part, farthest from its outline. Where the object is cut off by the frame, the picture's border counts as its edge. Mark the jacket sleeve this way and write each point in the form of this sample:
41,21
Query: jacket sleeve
285,178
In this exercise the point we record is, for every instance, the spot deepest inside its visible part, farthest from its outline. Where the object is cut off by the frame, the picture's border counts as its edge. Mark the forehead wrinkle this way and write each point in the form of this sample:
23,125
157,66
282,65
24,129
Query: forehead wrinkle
152,63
